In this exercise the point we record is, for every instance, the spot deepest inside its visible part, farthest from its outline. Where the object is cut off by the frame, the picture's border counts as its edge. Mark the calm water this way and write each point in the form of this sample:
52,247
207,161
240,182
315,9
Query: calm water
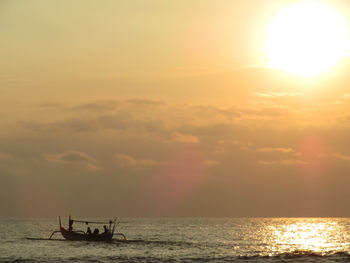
186,240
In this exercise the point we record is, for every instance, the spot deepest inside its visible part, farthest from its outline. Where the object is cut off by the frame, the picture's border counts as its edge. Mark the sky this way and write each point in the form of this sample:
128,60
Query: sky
165,109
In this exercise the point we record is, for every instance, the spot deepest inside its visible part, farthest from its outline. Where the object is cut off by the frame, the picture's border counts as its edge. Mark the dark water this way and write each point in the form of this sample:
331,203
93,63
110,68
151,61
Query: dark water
186,240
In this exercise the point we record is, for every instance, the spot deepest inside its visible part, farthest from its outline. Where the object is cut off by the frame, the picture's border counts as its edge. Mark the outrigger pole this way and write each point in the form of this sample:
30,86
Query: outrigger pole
57,231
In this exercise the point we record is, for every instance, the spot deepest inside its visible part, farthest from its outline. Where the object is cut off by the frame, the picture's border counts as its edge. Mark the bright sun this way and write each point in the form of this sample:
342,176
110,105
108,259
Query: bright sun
307,39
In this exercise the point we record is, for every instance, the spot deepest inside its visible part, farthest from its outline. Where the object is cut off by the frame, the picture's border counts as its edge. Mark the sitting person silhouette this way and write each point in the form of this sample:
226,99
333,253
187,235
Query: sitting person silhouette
105,229
96,231
88,231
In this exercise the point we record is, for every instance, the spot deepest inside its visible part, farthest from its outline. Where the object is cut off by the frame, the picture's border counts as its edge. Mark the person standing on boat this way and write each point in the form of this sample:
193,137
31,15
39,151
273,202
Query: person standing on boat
105,229
70,228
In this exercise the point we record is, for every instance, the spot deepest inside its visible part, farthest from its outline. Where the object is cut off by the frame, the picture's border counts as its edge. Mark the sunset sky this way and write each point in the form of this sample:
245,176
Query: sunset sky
174,108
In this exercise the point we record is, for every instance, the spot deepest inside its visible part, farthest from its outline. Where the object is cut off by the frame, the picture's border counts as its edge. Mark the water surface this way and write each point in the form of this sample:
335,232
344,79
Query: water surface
186,240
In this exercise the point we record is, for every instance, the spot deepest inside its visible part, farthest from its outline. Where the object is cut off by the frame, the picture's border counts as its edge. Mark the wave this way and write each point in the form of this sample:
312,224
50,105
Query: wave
156,242
295,256
300,256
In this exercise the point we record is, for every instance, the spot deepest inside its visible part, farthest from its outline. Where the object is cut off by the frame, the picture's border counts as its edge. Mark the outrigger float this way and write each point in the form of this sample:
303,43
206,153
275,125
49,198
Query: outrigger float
79,235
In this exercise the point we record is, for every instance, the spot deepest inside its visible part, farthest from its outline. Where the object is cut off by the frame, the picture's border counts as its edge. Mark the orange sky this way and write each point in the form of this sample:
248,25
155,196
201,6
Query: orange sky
164,108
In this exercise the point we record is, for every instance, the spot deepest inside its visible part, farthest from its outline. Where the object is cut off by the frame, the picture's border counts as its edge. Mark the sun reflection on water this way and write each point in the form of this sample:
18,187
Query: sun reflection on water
306,236
289,238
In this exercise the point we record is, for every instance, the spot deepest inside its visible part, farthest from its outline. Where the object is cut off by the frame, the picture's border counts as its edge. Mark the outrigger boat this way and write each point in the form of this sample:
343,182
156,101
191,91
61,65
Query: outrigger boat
79,235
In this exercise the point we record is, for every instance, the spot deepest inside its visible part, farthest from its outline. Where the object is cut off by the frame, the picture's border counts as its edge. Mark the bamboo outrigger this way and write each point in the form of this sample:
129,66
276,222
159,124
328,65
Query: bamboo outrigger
79,235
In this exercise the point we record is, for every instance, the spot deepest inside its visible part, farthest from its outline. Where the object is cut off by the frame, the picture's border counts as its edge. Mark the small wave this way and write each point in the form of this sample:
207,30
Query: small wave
295,256
157,242
301,256
20,260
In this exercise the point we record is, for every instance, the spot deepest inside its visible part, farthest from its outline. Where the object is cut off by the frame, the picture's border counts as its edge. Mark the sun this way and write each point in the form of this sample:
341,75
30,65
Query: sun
307,39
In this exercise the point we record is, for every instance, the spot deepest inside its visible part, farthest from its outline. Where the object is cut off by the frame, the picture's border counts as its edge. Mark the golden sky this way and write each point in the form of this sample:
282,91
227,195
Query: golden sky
174,108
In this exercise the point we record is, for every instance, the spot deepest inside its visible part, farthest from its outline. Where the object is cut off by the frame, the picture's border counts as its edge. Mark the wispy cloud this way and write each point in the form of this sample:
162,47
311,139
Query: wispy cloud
146,102
127,161
285,162
73,157
342,157
99,106
178,137
274,94
275,149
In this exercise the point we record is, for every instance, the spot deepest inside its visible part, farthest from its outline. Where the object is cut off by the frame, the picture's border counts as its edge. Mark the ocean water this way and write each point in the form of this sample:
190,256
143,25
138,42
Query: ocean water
185,240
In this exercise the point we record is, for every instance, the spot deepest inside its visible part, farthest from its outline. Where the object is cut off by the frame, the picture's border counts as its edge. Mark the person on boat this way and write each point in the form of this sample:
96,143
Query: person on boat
105,229
70,228
96,231
88,231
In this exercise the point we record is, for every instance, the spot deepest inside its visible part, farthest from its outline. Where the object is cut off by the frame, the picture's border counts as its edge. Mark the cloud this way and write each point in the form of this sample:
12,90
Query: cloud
242,145
342,157
274,94
99,106
249,134
51,105
268,112
71,124
73,157
126,161
277,149
178,137
285,162
78,125
117,121
146,102
178,122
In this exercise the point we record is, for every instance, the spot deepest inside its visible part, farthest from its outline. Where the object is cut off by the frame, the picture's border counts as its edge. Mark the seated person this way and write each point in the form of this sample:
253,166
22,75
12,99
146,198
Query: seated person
88,231
105,229
96,231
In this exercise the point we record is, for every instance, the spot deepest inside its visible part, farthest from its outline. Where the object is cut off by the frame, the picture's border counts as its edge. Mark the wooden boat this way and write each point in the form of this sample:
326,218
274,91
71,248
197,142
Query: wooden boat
74,235
79,235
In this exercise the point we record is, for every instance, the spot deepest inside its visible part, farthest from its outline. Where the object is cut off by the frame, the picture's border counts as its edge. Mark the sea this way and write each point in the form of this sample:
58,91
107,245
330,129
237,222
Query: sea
155,240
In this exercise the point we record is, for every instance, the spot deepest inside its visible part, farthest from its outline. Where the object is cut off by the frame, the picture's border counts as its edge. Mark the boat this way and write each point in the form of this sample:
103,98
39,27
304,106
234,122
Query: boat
80,235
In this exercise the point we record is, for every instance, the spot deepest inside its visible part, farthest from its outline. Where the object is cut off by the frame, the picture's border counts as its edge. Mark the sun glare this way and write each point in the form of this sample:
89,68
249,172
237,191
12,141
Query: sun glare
307,39
307,236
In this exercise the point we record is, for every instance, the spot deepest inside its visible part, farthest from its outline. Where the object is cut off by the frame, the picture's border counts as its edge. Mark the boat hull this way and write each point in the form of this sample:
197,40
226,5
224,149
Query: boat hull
72,235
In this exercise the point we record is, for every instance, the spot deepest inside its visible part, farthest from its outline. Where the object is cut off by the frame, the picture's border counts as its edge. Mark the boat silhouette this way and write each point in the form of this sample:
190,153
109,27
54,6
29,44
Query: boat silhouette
80,235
